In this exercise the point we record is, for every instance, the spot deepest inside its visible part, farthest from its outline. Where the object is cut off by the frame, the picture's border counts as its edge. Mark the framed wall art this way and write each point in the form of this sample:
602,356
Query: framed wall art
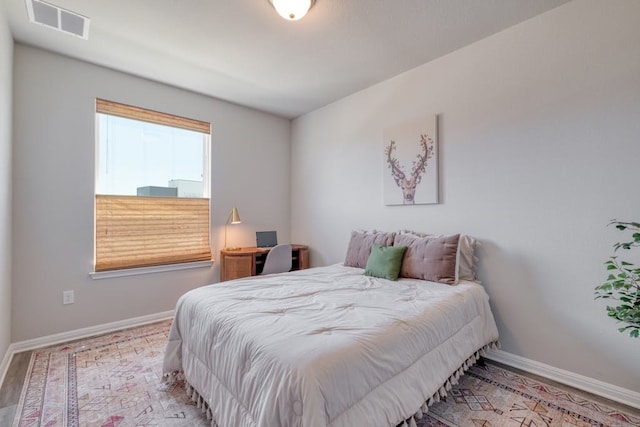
411,162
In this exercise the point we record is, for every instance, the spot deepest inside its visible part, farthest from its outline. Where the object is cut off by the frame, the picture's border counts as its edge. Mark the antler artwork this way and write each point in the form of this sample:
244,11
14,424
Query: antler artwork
408,185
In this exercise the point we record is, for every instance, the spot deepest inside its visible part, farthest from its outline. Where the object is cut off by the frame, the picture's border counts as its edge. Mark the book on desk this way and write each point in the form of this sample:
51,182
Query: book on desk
246,262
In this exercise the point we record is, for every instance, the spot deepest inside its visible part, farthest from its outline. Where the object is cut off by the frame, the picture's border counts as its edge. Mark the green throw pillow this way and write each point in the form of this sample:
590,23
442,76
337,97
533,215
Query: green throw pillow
385,261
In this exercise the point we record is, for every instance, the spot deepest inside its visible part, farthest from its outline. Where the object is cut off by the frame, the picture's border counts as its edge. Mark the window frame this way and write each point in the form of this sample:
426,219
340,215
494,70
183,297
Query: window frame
151,116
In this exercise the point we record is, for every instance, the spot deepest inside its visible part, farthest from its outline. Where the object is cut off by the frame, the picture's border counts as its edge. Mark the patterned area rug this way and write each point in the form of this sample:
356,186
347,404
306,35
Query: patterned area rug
107,381
115,380
491,396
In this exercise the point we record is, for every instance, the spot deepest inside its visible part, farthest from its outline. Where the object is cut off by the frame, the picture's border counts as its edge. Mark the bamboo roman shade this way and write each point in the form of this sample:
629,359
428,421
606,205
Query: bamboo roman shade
143,231
137,113
134,231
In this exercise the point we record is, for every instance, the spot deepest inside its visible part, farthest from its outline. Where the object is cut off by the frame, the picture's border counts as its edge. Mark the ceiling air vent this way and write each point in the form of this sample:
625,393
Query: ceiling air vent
58,19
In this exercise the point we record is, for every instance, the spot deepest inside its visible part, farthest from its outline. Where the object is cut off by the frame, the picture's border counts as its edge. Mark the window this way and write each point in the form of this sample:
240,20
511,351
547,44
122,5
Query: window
152,188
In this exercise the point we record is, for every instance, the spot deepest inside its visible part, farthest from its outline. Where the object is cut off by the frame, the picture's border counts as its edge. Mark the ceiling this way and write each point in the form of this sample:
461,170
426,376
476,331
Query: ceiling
242,51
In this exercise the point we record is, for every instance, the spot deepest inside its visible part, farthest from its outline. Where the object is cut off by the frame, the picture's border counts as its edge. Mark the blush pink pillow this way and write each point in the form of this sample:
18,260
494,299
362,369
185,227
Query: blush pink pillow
360,246
430,258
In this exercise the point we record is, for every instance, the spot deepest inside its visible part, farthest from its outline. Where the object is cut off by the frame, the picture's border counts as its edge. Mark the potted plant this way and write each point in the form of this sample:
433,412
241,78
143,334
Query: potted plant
623,283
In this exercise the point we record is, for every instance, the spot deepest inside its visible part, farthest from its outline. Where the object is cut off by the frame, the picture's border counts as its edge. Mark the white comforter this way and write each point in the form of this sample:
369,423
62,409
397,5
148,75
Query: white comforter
324,346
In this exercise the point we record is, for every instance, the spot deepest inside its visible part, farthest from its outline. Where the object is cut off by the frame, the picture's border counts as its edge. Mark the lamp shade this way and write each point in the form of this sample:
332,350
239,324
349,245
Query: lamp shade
292,10
235,217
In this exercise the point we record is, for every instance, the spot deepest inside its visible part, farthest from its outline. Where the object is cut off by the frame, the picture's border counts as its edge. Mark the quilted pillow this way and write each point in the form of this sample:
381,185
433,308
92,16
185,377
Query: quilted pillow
466,259
360,246
430,258
384,261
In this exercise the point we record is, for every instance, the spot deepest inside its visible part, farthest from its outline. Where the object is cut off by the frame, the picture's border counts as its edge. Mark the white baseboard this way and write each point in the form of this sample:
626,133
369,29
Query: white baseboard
75,335
590,385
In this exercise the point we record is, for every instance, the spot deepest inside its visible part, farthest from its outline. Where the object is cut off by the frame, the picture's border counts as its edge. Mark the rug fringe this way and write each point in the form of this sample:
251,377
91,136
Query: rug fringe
449,383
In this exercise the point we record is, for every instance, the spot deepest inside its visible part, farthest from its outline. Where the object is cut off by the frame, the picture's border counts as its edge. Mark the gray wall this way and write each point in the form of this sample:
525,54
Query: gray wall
539,148
6,70
53,188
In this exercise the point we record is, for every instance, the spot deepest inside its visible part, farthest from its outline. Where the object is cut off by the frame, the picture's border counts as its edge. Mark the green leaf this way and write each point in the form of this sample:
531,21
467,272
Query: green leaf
622,286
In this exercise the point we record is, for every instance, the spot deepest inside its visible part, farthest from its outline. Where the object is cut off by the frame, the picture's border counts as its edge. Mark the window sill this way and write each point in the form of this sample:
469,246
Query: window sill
148,270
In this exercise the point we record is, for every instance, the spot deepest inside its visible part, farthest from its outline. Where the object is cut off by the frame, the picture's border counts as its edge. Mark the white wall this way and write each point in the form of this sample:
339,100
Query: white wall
6,70
539,148
54,113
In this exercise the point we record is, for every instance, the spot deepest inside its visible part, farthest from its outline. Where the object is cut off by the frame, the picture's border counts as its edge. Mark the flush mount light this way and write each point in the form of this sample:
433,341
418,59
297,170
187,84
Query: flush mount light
292,10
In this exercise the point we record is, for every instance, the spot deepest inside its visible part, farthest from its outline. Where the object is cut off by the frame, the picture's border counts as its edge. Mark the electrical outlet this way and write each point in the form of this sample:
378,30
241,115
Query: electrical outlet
67,297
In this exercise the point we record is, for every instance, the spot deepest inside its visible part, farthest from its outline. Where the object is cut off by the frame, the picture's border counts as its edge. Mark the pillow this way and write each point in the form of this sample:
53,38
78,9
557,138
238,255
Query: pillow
466,260
430,258
385,261
360,246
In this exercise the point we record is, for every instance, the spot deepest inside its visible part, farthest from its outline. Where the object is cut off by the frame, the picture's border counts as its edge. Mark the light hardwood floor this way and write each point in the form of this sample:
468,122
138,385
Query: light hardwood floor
12,387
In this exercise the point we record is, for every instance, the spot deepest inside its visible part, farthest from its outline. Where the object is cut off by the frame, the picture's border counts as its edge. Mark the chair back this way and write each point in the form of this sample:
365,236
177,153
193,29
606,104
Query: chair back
278,260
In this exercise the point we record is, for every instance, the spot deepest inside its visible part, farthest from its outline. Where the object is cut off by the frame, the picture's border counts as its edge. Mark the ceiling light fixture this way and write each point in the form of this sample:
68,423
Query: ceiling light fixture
292,10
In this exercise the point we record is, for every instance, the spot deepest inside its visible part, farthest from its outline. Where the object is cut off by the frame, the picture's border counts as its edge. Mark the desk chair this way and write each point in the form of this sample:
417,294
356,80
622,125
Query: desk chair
278,260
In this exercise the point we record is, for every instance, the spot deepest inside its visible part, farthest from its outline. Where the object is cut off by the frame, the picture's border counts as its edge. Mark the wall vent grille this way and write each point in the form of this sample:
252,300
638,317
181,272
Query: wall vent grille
57,18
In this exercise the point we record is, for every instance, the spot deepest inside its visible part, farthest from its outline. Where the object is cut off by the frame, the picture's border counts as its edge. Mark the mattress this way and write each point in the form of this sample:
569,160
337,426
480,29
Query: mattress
325,346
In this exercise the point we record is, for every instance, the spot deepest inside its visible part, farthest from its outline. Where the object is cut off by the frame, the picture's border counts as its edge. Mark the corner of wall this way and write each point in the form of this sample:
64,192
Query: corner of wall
6,118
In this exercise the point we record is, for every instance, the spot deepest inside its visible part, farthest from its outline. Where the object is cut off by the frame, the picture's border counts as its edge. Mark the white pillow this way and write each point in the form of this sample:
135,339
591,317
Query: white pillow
466,258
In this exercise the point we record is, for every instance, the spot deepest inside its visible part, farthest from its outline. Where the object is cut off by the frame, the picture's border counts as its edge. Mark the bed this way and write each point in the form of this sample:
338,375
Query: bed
327,346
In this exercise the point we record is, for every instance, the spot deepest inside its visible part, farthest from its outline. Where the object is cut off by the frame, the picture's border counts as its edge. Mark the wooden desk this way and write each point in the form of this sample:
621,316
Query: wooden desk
245,262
